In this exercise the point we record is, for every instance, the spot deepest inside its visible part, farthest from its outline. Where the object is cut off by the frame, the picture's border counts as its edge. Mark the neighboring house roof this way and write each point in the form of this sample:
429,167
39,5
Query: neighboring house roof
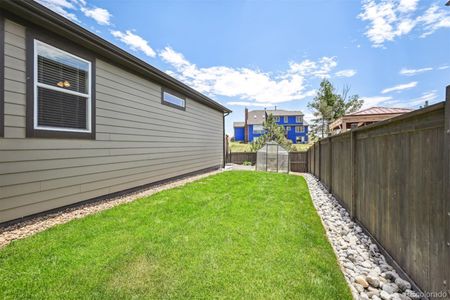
258,116
38,14
238,124
378,110
367,116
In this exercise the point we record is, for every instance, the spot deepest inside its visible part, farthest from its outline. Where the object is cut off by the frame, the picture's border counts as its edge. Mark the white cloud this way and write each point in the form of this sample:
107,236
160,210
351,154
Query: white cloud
407,5
250,104
426,96
249,84
345,73
384,22
319,69
400,87
443,67
374,101
67,8
61,7
134,41
434,19
389,19
100,15
411,72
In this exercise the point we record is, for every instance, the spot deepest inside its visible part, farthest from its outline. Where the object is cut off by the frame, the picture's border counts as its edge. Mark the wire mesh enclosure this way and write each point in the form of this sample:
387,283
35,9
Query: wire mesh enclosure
273,158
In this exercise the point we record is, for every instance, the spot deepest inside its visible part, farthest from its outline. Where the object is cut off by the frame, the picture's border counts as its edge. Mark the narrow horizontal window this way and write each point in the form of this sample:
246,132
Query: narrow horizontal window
299,129
62,90
173,99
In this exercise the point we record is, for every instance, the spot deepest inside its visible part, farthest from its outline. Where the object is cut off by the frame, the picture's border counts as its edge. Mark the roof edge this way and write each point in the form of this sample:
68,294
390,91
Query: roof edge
35,13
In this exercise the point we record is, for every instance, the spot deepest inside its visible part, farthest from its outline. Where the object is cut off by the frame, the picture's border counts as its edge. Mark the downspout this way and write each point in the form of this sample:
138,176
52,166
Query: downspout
223,140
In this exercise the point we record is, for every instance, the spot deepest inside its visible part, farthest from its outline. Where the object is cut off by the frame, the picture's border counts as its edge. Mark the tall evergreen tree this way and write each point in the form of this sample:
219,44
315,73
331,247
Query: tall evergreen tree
328,106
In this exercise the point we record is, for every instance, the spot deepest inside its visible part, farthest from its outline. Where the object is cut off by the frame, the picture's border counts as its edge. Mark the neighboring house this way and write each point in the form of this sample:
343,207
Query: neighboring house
81,118
295,126
365,117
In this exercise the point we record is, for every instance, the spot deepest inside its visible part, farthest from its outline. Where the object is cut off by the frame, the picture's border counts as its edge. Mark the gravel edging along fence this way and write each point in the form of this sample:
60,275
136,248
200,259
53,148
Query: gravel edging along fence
41,222
366,270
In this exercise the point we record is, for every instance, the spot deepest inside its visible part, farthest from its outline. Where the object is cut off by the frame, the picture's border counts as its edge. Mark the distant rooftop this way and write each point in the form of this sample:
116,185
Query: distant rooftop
378,110
258,116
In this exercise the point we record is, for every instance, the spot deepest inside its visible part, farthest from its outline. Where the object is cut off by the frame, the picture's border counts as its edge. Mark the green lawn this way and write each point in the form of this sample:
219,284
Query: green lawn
241,147
234,235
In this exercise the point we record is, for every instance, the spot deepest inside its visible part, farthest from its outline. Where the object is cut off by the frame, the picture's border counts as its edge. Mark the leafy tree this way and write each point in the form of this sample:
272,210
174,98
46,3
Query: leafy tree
273,132
328,106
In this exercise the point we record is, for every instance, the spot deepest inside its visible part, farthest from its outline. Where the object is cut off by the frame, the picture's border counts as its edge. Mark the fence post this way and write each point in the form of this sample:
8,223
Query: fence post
307,161
330,165
320,161
446,182
354,178
314,161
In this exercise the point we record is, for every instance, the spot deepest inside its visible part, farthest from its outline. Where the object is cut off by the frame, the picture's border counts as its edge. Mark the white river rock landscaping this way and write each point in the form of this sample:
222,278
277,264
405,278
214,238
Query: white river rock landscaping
365,268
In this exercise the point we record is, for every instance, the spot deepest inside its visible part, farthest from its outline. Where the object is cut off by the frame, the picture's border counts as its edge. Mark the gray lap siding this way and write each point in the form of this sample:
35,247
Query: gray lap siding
138,140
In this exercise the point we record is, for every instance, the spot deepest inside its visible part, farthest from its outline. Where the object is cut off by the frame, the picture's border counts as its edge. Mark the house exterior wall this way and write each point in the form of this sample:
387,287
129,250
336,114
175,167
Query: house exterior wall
138,140
239,134
290,134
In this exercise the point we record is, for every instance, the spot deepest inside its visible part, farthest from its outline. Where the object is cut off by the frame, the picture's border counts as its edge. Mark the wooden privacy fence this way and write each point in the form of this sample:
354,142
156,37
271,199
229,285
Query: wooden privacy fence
393,178
240,157
297,160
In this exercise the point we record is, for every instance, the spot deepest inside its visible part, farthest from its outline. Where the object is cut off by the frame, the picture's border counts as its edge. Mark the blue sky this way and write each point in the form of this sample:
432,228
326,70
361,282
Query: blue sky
259,54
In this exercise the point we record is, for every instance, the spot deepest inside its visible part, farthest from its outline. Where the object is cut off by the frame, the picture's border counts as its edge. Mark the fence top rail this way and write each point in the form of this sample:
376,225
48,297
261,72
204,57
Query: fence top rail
413,113
248,152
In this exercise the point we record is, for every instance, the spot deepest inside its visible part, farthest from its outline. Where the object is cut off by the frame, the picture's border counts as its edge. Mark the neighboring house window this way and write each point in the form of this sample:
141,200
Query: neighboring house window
286,119
288,128
298,119
173,99
61,84
299,129
277,119
300,139
258,129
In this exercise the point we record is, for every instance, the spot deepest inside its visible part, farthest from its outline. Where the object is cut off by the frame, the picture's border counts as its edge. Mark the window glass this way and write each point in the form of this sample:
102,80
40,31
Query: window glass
174,100
258,129
62,90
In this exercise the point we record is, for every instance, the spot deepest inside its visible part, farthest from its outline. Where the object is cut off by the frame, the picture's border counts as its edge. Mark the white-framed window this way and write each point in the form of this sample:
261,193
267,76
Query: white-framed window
62,90
277,119
258,129
173,99
300,139
286,119
299,129
288,128
298,119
